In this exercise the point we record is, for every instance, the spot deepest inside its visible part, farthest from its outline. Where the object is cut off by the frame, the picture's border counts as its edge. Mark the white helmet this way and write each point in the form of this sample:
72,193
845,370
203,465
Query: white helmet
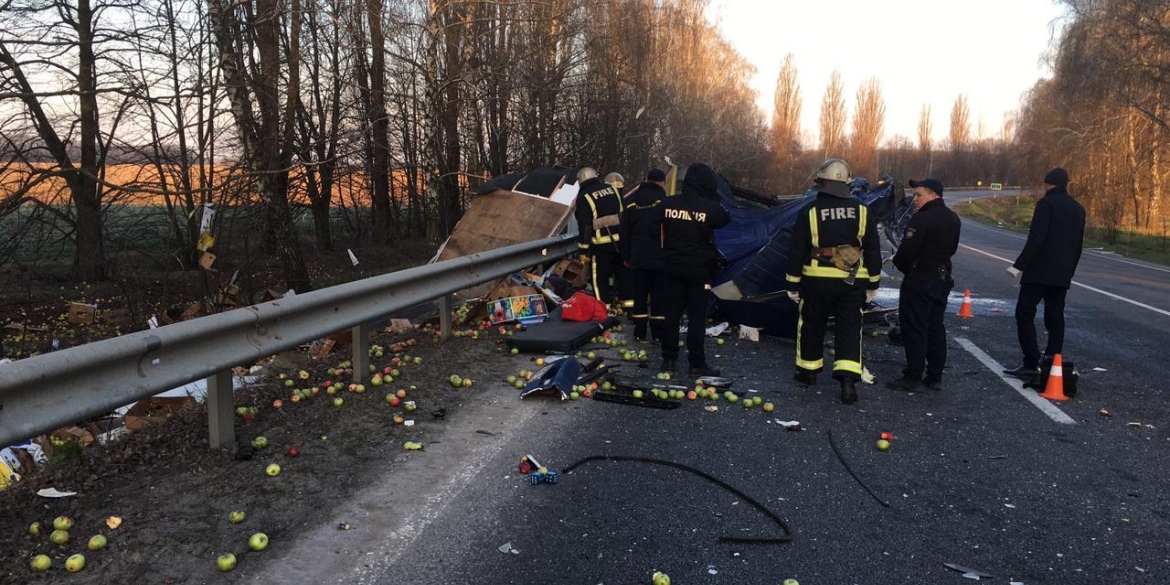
586,173
835,169
616,180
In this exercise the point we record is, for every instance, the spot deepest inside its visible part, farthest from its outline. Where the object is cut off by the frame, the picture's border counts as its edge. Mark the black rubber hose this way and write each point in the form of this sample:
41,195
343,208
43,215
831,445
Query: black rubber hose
844,463
788,532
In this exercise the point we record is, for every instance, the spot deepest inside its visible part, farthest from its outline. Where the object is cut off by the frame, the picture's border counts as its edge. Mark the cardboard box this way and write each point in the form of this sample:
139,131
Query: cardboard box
82,313
572,271
155,410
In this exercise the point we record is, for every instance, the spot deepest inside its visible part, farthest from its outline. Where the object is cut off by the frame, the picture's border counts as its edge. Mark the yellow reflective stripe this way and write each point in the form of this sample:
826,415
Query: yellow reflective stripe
640,316
582,246
876,278
592,204
828,271
657,318
847,366
791,278
607,239
812,226
807,365
627,305
861,224
802,363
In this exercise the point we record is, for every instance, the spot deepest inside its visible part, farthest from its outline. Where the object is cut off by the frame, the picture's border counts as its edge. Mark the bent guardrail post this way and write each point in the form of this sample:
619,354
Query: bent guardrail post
221,422
46,392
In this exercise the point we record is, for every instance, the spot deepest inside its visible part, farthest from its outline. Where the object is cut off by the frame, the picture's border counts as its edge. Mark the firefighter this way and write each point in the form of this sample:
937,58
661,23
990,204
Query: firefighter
615,180
641,245
834,267
689,261
598,213
621,273
924,257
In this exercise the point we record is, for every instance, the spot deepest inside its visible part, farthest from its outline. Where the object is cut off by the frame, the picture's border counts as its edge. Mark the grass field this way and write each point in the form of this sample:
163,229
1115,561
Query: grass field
1015,213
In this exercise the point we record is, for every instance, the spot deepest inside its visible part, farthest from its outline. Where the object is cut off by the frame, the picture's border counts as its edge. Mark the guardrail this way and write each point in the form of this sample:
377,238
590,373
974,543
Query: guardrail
46,392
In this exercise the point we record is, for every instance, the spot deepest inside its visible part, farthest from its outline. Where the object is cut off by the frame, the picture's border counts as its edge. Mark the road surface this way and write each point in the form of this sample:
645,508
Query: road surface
979,475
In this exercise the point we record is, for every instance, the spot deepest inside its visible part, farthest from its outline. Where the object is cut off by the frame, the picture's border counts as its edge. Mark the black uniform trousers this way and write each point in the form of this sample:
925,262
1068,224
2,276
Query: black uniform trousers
821,298
922,304
1030,296
604,259
646,290
685,291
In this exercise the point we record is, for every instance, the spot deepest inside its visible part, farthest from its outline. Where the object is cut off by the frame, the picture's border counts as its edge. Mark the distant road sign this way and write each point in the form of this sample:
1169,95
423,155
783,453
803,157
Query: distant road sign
996,186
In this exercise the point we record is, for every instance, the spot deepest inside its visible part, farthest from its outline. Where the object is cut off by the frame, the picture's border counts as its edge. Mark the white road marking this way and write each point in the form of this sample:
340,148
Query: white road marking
1085,286
1111,256
1032,396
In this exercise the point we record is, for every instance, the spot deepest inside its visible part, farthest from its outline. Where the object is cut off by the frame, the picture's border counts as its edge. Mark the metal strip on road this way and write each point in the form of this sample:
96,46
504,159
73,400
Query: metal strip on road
1085,286
1045,406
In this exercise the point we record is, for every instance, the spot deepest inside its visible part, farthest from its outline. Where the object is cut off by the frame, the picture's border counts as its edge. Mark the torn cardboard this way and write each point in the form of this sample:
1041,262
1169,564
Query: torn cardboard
155,410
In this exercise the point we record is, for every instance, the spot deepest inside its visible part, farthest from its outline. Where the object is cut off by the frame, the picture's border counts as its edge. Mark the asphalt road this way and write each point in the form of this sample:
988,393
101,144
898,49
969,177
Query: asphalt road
977,474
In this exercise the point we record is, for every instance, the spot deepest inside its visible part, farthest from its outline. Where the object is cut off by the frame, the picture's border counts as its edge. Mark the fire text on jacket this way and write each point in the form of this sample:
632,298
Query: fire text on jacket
838,213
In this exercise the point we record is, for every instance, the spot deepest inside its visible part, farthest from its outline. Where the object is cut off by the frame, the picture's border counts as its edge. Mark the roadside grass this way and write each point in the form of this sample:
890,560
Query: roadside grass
1015,213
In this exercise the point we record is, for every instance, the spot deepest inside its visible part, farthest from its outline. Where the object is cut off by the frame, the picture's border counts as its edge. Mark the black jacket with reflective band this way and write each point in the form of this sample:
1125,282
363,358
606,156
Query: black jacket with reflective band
597,200
641,228
826,222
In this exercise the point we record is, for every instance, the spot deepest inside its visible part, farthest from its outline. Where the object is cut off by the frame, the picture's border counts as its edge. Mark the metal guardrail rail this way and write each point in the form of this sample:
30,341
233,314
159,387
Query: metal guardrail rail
46,392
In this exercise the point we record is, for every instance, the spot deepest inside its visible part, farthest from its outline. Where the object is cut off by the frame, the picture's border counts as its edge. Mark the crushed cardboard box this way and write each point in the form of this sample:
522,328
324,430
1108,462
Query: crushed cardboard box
155,410
82,313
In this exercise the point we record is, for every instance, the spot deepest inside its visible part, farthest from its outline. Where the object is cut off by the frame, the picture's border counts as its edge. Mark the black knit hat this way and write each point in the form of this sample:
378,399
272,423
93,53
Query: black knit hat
1057,177
656,175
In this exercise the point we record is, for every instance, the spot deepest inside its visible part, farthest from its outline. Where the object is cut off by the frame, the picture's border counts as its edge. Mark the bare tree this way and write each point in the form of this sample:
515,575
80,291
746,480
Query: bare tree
869,118
785,137
833,117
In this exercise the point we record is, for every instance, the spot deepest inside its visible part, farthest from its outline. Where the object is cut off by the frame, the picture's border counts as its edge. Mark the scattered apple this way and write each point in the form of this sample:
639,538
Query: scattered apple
769,407
791,582
226,562
113,522
883,445
97,542
260,442
376,380
661,578
398,420
719,341
41,563
278,403
75,563
338,402
289,383
59,537
236,516
692,395
241,410
409,405
294,451
574,396
637,393
258,542
587,393
34,528
62,523
467,382
295,398
272,470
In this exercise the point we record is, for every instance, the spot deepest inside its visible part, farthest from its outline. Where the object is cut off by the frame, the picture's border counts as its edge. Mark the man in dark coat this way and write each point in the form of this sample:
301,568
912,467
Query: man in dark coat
641,246
924,257
1046,267
689,221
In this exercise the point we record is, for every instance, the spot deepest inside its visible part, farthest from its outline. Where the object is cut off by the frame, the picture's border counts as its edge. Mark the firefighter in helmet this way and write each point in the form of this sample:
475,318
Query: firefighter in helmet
598,213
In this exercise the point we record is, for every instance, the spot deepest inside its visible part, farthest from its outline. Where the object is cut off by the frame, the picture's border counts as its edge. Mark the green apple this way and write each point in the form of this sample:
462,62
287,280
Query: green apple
241,410
258,542
34,528
510,379
59,537
272,470
719,341
75,563
62,523
791,582
409,405
574,396
236,516
97,542
376,381
637,393
260,442
732,398
883,445
41,563
519,384
226,562
661,578
289,383
338,402
769,407
591,356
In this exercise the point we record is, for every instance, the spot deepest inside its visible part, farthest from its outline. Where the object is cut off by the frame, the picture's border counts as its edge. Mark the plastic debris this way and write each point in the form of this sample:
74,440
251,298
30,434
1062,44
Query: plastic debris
1100,370
54,493
344,526
866,376
711,408
968,572
789,425
507,548
711,570
1103,412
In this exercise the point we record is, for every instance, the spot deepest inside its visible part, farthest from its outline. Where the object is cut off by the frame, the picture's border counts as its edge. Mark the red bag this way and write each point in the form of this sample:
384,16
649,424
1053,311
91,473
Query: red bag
583,306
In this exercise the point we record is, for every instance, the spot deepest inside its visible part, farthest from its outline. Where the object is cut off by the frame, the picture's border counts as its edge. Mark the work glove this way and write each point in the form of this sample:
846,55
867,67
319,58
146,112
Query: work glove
1013,272
870,295
584,258
795,296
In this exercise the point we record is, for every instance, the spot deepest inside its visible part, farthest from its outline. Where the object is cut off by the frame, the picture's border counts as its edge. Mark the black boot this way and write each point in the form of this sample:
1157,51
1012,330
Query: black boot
933,382
702,369
905,384
805,378
848,392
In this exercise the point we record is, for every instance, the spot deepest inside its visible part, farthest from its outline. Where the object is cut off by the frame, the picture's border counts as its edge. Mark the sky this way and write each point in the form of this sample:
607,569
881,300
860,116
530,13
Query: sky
922,51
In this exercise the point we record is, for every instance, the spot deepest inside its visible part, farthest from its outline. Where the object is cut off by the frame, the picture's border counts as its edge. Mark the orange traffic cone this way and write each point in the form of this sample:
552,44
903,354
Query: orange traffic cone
965,310
1054,390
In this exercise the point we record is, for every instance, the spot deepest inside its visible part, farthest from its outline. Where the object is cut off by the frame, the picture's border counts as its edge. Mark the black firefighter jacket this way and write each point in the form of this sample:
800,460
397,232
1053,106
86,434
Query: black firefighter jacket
597,204
826,222
1053,249
641,228
689,221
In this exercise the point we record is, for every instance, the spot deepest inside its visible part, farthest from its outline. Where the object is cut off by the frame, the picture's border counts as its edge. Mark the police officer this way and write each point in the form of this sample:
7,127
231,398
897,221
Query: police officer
924,257
689,221
641,247
834,266
598,213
